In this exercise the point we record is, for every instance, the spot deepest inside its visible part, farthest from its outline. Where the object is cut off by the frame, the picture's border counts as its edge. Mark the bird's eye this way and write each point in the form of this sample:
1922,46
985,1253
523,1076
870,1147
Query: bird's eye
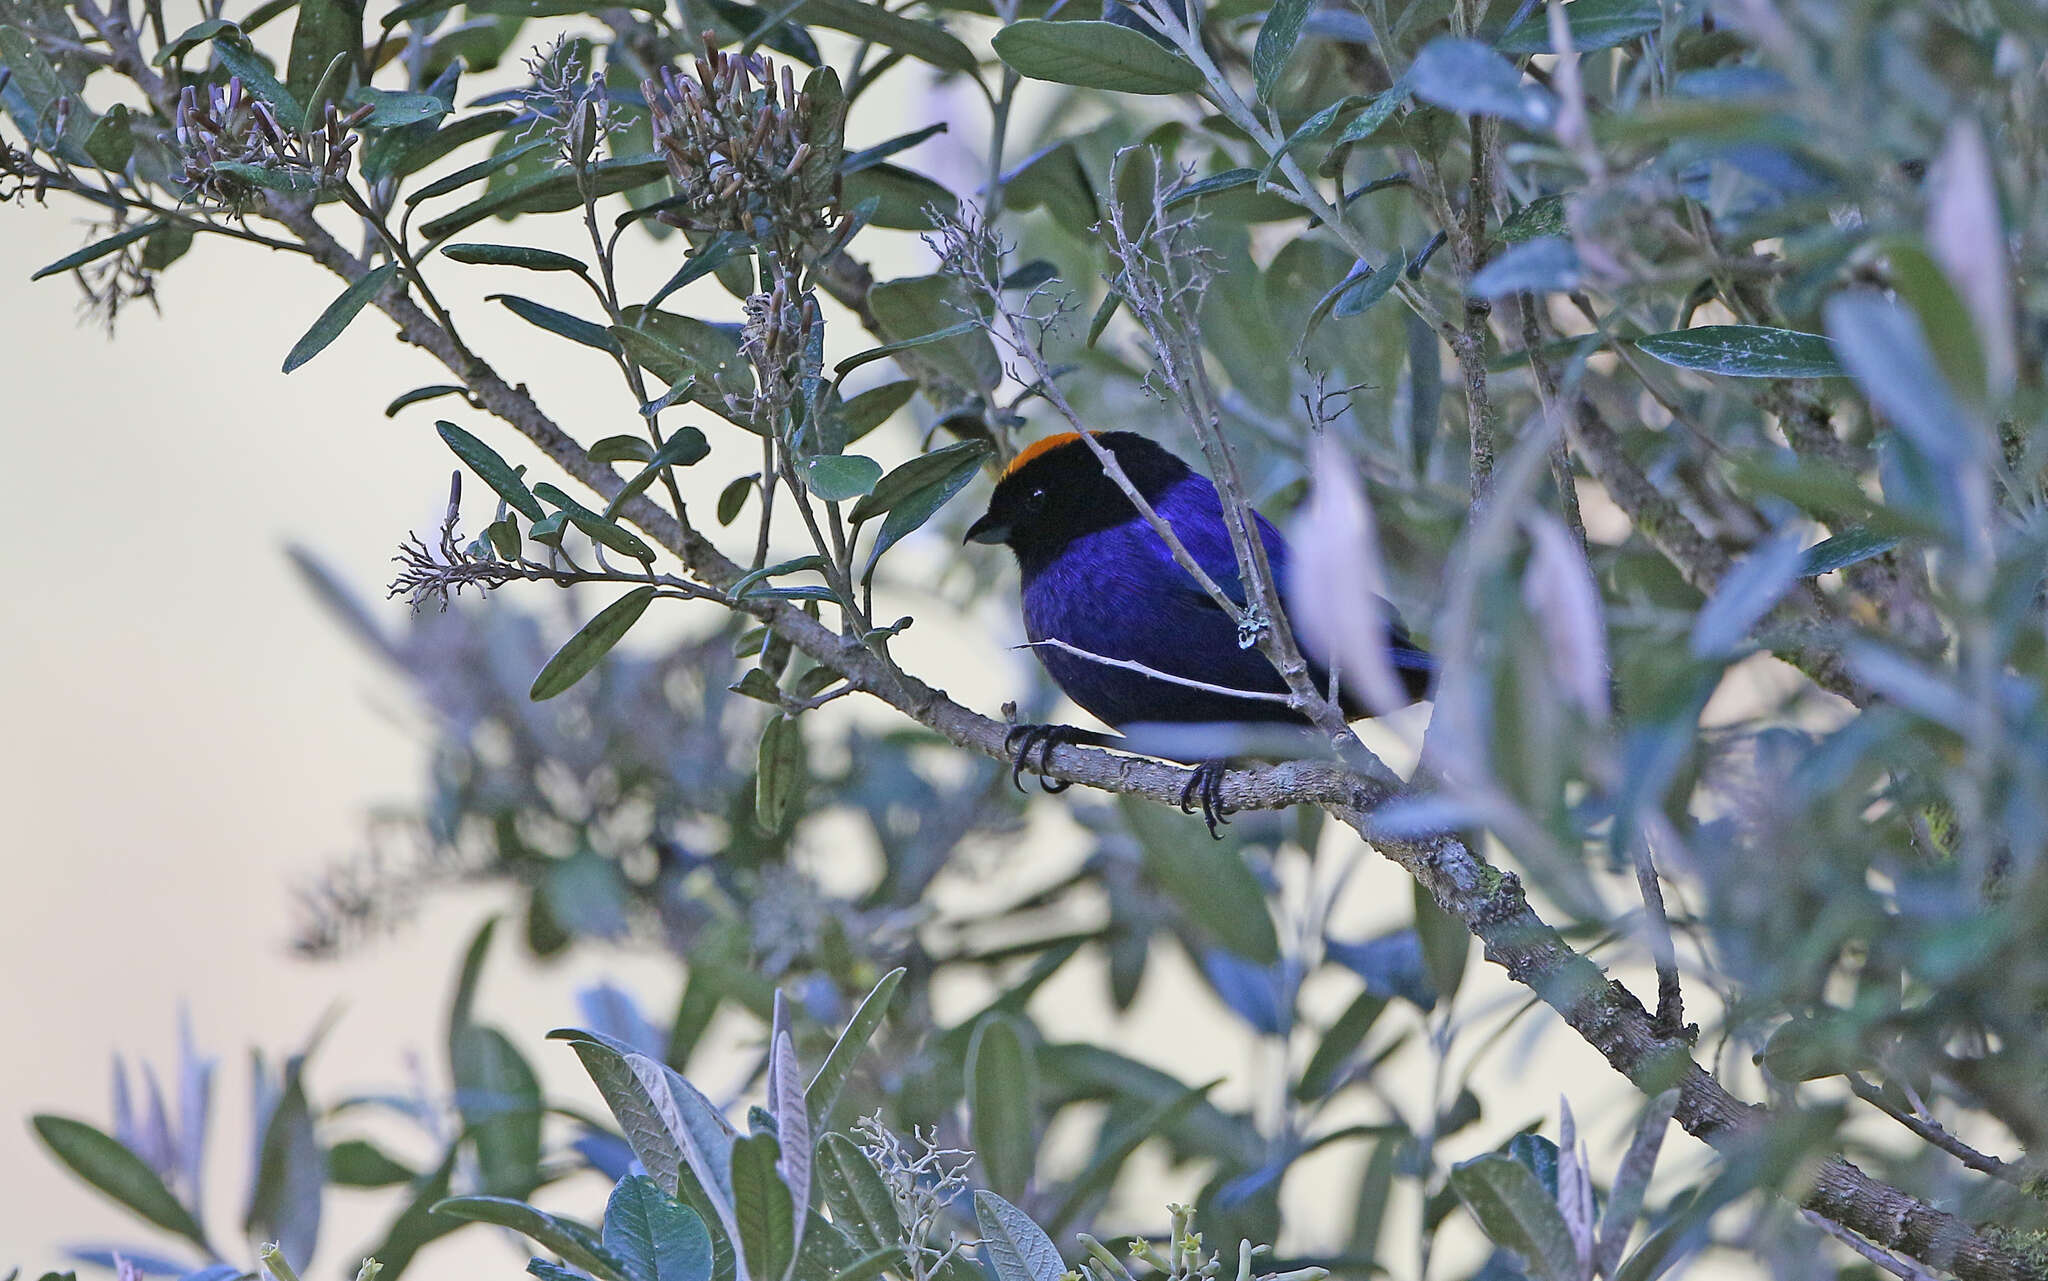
1037,497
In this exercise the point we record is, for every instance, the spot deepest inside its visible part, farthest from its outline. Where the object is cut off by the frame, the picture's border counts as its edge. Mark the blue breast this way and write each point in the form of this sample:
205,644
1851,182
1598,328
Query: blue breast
1119,593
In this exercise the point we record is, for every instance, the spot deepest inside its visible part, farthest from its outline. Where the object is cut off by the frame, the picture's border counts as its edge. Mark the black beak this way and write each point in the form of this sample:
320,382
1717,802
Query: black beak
987,530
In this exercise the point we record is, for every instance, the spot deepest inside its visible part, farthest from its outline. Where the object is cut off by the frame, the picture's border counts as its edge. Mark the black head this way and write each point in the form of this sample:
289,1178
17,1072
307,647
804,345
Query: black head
1056,491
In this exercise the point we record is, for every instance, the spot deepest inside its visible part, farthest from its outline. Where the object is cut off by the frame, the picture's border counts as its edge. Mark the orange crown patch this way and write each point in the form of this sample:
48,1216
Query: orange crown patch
1038,447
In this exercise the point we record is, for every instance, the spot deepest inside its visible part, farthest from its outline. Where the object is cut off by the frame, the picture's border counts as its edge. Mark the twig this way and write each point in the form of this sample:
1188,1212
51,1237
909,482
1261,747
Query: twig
1933,1132
1131,665
1883,1258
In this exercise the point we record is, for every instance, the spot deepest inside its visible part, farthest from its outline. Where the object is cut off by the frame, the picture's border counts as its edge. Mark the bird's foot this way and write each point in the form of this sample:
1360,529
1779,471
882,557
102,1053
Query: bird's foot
1023,740
1205,786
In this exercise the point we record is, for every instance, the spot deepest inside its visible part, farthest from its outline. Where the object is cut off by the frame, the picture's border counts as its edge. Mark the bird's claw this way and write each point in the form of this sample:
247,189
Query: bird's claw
1205,785
1022,740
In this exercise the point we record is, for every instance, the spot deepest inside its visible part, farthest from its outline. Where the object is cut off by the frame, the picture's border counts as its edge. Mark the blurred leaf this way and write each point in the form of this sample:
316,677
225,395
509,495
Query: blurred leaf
622,449
1054,180
762,1211
1540,1155
1543,216
500,1102
359,1163
291,1173
875,406
1002,1100
1255,993
101,248
477,172
1207,879
1886,351
1595,24
191,38
1543,265
1113,1152
1095,55
1018,1249
825,1087
1446,944
575,659
1744,595
917,305
514,256
1513,1208
112,140
417,1225
1467,77
653,1237
114,1170
1277,36
576,1243
925,41
233,50
1391,965
1745,351
1334,1052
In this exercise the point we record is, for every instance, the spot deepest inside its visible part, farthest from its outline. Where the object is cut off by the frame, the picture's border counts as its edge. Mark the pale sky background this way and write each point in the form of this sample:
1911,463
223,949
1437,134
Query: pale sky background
191,737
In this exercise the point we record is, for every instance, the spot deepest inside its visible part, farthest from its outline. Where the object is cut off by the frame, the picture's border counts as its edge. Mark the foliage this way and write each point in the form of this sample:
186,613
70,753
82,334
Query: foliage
1725,518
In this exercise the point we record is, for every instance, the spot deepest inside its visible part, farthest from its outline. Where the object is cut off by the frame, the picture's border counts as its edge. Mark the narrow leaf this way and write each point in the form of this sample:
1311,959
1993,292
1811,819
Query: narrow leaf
338,315
575,659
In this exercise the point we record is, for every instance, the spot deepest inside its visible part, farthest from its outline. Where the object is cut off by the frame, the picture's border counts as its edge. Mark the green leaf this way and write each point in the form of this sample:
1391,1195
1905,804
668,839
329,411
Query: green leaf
112,140
1467,77
745,585
1513,1208
1745,351
1002,1092
901,196
1095,55
1018,1249
853,362
875,406
104,1163
917,305
576,1243
325,30
685,446
191,38
338,315
1595,24
491,469
677,392
1847,548
99,249
839,477
732,500
853,1190
240,57
823,1091
1377,112
1277,37
1208,879
715,254
779,775
925,41
391,109
1228,180
936,478
504,536
653,1236
1055,180
762,1209
476,172
514,256
868,156
1112,1152
600,529
358,1163
1543,216
499,1099
574,328
298,181
1543,265
586,647
622,449
550,190
32,90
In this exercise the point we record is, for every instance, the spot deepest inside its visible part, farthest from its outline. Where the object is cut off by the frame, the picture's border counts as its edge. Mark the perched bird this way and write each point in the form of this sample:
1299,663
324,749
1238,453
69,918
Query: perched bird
1097,576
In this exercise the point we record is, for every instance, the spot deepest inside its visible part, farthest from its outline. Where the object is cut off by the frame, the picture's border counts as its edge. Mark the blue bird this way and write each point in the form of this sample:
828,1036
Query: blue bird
1098,577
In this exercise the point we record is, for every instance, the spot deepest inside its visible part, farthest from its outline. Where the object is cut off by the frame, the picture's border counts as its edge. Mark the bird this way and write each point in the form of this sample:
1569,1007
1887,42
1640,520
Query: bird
1098,577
